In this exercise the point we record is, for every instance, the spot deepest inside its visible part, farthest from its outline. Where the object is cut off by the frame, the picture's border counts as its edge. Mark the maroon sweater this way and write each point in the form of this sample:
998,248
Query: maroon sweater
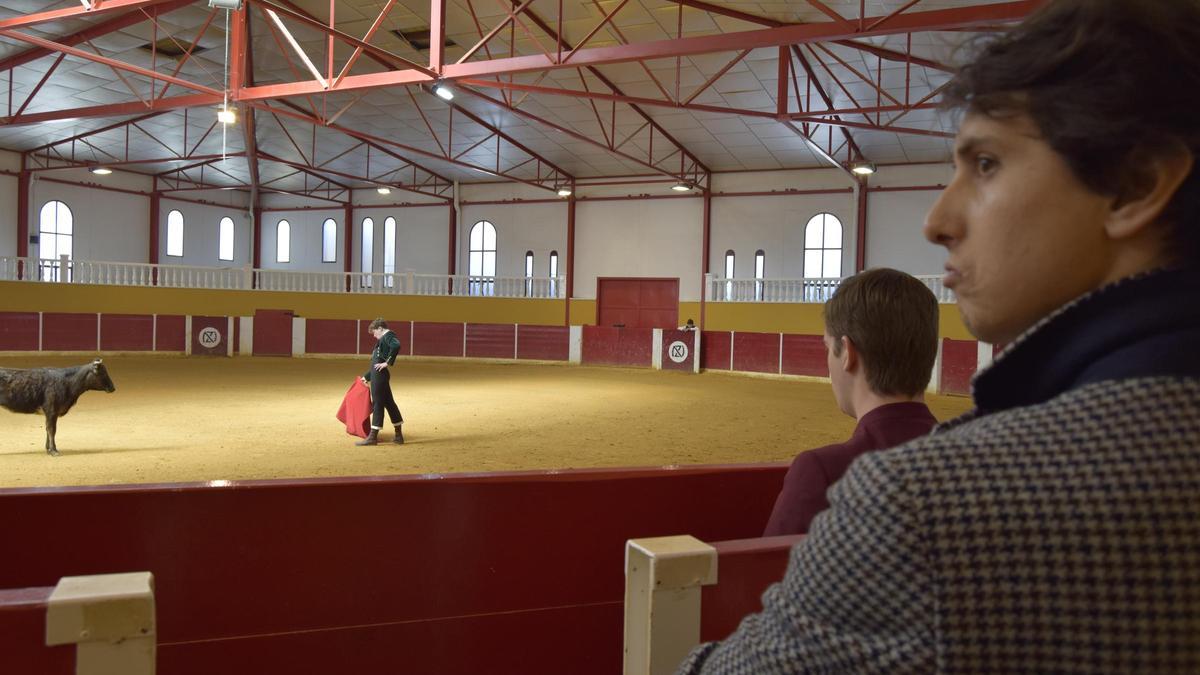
812,472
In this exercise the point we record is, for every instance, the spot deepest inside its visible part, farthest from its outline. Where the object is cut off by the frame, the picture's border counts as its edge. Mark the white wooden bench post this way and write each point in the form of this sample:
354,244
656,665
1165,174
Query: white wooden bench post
663,576
110,619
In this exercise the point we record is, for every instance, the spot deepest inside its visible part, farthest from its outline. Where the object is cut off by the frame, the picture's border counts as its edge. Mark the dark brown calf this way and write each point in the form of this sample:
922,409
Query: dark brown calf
51,390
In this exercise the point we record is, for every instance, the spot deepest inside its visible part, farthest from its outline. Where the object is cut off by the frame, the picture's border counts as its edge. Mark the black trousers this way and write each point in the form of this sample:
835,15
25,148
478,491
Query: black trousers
381,397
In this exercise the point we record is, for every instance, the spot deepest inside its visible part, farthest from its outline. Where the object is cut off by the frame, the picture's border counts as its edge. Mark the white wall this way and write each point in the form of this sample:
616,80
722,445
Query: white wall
201,234
775,225
422,237
305,238
540,228
639,238
108,226
895,219
8,216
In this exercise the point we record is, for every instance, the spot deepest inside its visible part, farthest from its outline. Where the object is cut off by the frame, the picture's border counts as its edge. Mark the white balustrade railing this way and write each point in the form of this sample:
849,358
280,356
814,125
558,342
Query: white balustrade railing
720,289
716,289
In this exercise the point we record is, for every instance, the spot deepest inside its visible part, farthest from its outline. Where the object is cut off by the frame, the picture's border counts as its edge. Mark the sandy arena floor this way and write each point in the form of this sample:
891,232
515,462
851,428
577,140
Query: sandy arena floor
191,419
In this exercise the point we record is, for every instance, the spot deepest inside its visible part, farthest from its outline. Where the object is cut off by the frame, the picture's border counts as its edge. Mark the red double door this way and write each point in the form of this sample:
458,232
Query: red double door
637,302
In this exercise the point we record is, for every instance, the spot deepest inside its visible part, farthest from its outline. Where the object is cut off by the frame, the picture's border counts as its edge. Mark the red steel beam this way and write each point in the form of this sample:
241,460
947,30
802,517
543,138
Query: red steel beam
75,12
941,19
94,31
115,109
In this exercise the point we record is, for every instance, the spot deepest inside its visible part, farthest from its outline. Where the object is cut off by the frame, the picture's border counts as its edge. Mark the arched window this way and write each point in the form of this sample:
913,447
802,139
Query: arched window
329,241
175,233
389,251
283,242
225,239
368,250
729,274
482,257
56,228
760,268
529,274
554,274
823,247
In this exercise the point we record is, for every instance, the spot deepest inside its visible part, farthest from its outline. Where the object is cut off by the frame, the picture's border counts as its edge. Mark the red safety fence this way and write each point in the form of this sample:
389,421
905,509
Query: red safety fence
745,568
516,572
23,632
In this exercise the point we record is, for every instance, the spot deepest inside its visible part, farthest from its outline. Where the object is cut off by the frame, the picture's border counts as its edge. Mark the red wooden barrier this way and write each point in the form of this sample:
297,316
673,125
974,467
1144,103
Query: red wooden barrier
745,568
23,631
171,333
436,339
126,332
959,360
331,336
210,336
804,355
494,573
715,348
548,343
604,345
273,332
69,332
19,331
491,340
756,352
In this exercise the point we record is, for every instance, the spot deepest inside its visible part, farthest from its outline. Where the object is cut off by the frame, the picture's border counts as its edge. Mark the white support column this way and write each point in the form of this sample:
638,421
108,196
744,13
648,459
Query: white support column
663,576
576,345
229,336
246,336
696,351
935,378
110,619
516,340
298,335
656,349
983,355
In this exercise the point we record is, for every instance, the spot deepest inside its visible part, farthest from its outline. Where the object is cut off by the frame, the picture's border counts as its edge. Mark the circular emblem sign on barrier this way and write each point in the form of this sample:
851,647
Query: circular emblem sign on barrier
678,351
209,337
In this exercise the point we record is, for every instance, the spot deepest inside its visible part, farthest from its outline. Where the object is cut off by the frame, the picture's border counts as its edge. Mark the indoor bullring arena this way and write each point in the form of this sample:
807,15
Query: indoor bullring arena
601,236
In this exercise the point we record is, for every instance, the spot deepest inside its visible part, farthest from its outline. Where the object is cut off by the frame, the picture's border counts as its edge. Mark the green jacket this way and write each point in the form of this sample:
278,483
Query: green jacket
385,352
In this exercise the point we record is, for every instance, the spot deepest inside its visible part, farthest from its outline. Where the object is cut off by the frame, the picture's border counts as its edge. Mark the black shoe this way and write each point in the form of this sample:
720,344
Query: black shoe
371,439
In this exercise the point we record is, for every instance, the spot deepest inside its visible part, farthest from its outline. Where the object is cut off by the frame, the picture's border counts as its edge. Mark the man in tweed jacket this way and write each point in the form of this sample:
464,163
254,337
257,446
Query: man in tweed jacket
1055,528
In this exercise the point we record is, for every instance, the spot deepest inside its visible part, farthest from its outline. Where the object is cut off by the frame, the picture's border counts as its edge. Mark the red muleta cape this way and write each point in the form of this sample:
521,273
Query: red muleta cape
355,411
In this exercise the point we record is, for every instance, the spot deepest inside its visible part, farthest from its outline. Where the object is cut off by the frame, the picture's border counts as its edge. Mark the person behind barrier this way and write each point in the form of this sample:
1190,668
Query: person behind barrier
881,334
1056,526
379,379
689,326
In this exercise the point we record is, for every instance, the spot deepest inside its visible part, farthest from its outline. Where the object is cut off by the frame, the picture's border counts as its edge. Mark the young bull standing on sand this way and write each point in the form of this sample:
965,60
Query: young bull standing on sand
52,390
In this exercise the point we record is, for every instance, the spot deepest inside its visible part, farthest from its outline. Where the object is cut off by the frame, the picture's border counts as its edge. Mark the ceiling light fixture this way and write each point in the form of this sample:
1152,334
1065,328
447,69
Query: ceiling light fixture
564,191
384,190
227,116
682,186
442,91
862,168
100,170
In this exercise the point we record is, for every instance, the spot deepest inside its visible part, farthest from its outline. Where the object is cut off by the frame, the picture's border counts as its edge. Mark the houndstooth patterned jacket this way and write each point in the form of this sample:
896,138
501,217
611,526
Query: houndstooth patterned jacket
1053,529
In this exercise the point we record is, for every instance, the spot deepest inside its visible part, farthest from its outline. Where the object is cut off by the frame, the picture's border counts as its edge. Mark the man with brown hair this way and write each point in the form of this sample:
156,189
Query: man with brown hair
881,331
1056,527
379,378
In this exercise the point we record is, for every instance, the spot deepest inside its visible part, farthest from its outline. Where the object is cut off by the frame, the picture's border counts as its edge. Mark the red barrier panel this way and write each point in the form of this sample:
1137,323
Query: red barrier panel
756,352
273,332
19,331
126,332
170,333
402,329
437,339
210,335
804,355
69,332
382,575
745,568
491,340
715,348
959,359
331,336
678,350
548,343
23,627
603,345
